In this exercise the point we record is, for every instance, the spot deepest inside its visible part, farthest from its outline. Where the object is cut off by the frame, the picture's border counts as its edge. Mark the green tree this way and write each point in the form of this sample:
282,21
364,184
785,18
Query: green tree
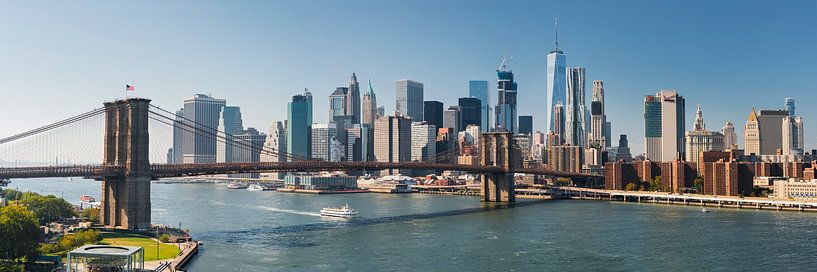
19,233
11,194
698,183
655,184
164,238
91,213
630,187
48,208
10,266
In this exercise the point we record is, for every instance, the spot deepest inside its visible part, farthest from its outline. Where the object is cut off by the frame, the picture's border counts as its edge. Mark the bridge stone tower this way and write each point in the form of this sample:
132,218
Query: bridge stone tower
496,149
126,198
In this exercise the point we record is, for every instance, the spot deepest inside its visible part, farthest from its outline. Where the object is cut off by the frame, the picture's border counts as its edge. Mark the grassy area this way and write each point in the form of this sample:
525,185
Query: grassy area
166,251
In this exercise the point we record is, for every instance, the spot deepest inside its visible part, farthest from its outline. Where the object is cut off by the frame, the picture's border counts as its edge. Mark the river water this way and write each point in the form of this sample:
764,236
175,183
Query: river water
270,231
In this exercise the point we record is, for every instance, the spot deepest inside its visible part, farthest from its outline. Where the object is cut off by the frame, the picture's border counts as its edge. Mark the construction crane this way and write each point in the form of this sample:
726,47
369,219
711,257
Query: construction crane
503,66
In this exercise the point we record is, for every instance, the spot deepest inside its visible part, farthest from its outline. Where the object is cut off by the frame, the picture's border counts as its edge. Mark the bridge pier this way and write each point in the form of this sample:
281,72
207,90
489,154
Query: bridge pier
496,149
125,199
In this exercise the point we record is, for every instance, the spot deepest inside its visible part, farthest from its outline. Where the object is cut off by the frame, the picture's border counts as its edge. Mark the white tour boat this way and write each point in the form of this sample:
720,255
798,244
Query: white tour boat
255,187
236,185
343,211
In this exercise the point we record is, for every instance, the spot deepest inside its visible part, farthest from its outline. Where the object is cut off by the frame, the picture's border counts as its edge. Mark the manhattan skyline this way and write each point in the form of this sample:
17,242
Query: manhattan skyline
726,58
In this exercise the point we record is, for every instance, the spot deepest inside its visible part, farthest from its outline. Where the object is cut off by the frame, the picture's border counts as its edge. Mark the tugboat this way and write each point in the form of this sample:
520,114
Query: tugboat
343,211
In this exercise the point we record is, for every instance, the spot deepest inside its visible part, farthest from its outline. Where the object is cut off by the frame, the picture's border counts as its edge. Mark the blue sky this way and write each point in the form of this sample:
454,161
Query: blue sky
61,58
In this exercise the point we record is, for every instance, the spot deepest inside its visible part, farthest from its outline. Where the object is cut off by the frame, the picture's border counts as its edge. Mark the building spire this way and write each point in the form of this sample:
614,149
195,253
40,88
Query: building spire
556,26
699,120
370,91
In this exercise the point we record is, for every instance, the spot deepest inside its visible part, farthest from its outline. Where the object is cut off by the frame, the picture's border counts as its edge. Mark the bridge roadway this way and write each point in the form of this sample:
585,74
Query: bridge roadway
179,170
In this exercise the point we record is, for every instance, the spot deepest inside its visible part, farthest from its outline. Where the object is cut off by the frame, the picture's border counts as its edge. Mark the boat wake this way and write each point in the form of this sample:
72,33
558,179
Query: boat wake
273,209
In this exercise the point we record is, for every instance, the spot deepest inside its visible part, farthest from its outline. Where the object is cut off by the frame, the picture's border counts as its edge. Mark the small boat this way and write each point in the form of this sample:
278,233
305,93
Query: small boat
704,210
343,211
236,185
255,187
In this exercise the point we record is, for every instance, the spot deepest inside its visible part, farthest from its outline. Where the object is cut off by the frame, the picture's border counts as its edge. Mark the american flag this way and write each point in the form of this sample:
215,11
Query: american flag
129,88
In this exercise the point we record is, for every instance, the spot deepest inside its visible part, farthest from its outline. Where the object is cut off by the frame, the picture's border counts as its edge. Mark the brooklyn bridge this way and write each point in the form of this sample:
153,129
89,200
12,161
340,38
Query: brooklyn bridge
126,171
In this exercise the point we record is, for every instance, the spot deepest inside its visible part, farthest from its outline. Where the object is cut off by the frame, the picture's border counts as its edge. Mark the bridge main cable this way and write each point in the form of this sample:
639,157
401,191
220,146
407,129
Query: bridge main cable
54,125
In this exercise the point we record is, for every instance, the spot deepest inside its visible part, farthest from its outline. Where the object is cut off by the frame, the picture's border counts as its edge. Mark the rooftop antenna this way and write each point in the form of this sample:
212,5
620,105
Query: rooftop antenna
556,26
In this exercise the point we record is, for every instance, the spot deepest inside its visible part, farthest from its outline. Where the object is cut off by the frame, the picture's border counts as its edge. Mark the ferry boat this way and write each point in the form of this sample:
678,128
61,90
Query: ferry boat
255,187
236,185
343,212
87,199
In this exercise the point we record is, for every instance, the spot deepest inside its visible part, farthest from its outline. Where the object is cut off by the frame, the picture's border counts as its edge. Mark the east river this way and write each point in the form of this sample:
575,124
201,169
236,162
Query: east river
270,231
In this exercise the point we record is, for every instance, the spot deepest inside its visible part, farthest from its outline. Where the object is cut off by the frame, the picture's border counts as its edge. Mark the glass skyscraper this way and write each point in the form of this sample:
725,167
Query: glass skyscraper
556,68
479,90
299,120
506,101
410,99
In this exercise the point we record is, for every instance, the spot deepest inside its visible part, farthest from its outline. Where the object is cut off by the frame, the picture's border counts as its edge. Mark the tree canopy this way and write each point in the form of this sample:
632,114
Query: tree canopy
19,233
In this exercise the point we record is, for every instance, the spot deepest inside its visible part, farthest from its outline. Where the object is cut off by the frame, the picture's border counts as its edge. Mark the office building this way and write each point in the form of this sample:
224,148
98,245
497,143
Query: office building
337,102
567,158
323,139
623,149
452,118
556,85
479,89
392,141
789,103
751,134
410,99
299,118
423,141
558,129
575,109
792,136
526,124
470,112
249,144
664,124
730,138
360,143
230,124
353,100
700,140
370,112
598,118
446,141
179,128
506,100
201,114
433,113
797,189
770,123
277,143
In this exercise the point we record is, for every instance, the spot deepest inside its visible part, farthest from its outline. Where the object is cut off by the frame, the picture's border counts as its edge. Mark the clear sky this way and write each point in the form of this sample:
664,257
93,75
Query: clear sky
61,58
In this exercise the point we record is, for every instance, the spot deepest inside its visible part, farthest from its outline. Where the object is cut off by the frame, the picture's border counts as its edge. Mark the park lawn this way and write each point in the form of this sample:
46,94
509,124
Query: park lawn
166,251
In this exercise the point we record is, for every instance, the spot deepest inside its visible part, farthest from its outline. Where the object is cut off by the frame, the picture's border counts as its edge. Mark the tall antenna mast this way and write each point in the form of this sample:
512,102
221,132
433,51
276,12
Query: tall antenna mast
556,26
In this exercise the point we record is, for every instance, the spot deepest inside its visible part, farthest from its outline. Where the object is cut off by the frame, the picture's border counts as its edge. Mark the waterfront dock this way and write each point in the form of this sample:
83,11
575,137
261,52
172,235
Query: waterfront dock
190,249
461,190
759,203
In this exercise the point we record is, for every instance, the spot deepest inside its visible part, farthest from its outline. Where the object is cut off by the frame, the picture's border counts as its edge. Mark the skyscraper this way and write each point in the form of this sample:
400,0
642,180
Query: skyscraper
751,134
575,109
526,124
392,141
353,99
452,119
370,113
789,102
730,138
556,86
410,99
433,113
323,136
664,126
360,143
770,123
337,102
202,114
250,143
299,117
700,140
470,111
423,141
230,124
792,135
276,140
177,151
559,120
598,118
479,89
506,100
